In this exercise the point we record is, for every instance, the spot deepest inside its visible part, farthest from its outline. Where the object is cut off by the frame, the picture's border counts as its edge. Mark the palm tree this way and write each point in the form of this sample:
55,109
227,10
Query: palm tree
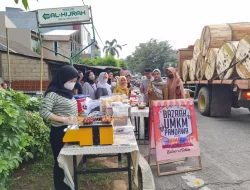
112,47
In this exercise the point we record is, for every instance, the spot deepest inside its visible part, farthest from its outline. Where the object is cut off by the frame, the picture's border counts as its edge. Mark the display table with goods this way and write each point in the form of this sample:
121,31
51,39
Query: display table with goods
99,134
138,112
139,115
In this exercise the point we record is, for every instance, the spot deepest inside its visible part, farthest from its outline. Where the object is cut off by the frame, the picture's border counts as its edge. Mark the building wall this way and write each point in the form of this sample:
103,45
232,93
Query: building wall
25,72
5,22
63,47
21,35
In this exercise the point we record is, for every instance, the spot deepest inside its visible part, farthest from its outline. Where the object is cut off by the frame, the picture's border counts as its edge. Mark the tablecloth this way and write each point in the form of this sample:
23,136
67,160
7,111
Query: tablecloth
123,143
141,113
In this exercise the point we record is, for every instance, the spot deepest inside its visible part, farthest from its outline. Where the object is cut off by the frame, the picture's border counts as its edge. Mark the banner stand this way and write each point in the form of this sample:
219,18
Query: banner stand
173,135
177,171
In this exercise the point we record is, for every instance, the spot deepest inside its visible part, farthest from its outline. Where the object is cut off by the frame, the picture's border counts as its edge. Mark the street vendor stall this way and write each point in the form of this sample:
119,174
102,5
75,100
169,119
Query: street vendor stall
99,134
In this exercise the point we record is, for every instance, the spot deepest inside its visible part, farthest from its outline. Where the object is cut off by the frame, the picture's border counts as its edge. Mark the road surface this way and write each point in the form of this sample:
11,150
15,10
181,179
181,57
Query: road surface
225,154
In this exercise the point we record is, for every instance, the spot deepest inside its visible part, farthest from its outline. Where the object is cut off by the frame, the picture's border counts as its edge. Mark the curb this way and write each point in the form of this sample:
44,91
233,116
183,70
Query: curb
148,182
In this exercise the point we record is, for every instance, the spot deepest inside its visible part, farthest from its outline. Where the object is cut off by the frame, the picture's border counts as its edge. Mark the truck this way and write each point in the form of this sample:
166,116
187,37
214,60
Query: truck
216,97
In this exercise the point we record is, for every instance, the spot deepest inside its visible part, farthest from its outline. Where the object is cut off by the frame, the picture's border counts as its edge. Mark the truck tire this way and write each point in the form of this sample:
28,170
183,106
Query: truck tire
204,101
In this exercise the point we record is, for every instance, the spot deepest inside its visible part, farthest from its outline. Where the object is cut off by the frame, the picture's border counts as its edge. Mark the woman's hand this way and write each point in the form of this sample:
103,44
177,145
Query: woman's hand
149,91
71,120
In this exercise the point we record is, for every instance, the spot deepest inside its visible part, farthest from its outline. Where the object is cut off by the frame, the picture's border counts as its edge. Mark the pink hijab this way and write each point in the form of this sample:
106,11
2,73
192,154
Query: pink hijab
175,86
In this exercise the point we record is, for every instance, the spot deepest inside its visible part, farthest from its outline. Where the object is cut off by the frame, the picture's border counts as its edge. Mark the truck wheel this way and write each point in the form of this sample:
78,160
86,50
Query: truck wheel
204,101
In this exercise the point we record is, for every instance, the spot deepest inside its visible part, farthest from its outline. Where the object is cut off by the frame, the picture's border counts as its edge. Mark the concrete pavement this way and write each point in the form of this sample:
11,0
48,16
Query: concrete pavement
225,154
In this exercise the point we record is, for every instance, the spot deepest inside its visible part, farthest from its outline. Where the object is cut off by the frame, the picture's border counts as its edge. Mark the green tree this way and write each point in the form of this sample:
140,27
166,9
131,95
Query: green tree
106,61
152,54
111,48
123,64
168,64
24,2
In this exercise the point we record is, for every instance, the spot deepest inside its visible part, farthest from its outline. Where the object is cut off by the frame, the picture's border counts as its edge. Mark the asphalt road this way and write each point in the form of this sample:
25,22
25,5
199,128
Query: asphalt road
225,154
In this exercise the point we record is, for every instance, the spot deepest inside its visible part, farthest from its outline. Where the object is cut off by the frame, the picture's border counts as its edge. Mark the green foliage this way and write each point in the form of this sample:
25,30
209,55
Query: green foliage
151,54
21,135
106,61
24,2
123,64
168,64
111,48
33,104
37,50
39,134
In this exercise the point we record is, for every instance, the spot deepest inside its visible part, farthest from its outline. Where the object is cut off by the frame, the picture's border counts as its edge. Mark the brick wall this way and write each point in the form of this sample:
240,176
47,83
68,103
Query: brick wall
25,72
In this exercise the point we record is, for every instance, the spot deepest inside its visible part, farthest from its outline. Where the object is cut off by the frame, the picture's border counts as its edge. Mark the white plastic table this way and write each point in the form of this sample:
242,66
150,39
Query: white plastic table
139,115
124,143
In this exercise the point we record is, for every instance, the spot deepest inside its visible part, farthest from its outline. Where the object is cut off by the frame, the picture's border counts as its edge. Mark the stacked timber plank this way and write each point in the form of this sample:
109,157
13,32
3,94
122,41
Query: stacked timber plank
222,52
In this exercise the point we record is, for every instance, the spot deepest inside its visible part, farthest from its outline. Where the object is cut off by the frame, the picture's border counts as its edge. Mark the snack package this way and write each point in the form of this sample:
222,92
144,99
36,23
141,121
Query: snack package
120,113
91,104
105,100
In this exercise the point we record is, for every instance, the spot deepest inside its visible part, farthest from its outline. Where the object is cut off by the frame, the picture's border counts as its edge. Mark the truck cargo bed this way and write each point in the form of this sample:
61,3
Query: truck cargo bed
241,83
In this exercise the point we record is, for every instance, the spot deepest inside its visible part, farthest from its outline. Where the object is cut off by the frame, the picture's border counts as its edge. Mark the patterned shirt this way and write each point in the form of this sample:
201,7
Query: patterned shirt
57,105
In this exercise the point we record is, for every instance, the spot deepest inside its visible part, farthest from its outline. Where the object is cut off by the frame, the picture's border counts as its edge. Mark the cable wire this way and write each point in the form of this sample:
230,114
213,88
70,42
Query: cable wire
96,29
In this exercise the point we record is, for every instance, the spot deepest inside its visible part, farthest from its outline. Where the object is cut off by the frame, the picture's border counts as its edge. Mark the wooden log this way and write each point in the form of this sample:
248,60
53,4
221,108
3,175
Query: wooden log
226,58
210,70
197,49
183,54
192,69
200,67
185,70
243,51
239,30
213,36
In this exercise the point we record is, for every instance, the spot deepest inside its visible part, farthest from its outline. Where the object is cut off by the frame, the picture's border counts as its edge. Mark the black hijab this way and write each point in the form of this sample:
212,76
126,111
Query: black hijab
63,75
109,81
86,78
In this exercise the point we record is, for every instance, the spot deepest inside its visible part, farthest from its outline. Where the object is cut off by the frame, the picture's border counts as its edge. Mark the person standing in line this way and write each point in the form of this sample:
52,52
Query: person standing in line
157,90
89,87
110,74
175,85
145,82
60,108
143,89
103,88
121,87
78,86
113,83
129,86
4,86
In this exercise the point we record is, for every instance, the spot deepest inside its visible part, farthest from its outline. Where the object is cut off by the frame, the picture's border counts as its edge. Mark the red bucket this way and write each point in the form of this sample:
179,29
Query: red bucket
80,99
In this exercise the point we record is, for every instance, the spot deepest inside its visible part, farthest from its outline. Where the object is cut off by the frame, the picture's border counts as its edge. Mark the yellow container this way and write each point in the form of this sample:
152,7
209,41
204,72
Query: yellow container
86,135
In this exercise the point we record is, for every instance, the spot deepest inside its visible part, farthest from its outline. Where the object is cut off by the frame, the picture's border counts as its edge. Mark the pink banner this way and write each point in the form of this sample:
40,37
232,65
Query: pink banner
173,129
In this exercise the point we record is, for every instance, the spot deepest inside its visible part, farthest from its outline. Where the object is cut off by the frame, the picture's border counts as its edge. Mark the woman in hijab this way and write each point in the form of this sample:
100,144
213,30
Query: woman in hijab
60,108
175,85
157,89
121,87
103,88
78,86
89,87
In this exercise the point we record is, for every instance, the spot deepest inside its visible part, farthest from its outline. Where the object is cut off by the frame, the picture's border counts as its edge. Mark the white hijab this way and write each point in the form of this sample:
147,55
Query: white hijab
103,84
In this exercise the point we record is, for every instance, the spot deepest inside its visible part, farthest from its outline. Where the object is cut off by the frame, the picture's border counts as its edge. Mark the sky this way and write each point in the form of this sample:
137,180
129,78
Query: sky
137,21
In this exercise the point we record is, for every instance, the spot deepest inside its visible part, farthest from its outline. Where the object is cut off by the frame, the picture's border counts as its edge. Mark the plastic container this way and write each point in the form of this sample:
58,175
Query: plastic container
80,98
123,129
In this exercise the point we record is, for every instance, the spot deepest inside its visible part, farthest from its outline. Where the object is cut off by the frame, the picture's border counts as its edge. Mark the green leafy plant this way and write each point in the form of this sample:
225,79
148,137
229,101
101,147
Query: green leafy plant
39,133
23,134
12,124
106,61
24,2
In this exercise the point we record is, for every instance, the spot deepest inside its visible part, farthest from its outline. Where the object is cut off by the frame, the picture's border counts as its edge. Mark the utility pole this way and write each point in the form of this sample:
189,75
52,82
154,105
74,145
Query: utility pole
8,56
